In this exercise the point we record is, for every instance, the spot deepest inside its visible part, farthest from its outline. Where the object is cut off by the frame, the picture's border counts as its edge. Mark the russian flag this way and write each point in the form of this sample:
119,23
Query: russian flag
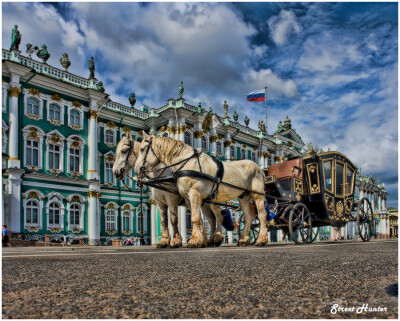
258,95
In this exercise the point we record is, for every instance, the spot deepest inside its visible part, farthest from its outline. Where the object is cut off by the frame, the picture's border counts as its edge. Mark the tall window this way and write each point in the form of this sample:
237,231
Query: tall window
74,214
126,221
204,143
188,138
75,117
32,212
232,151
269,161
219,148
109,136
54,112
32,106
141,218
109,178
32,153
243,153
253,156
110,220
74,160
54,213
54,156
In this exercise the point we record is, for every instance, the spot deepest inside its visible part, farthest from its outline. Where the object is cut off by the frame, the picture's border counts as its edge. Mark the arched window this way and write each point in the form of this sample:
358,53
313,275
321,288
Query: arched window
141,217
54,156
219,148
75,117
110,220
32,212
74,160
204,143
232,151
109,178
243,153
269,161
54,214
109,136
253,156
74,214
188,138
32,153
32,106
126,221
54,112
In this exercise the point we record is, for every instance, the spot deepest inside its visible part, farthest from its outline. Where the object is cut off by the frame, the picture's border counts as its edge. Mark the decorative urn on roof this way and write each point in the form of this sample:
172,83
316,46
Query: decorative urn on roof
132,99
64,61
287,124
43,54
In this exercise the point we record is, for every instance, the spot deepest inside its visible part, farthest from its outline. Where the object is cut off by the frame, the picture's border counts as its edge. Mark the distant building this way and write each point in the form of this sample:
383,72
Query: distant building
393,222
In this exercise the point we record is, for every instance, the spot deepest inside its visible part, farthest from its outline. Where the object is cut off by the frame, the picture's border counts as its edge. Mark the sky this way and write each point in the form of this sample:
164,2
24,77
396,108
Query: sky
332,67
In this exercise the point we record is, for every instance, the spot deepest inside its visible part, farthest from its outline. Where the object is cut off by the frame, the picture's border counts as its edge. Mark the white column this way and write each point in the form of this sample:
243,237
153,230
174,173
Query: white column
14,191
230,237
181,132
153,223
379,203
227,150
92,146
93,216
262,160
182,223
213,143
13,161
279,235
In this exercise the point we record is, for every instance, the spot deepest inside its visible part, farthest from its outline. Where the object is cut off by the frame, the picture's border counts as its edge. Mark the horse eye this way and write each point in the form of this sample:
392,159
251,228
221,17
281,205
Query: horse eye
142,149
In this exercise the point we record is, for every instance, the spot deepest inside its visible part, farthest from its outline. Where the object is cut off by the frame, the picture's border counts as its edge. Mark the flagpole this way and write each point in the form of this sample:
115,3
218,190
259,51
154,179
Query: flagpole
266,111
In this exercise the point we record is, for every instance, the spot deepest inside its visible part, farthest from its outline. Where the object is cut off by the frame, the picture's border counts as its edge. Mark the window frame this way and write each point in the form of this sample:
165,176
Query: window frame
33,135
58,201
206,149
81,116
26,197
40,98
52,120
188,134
71,144
144,213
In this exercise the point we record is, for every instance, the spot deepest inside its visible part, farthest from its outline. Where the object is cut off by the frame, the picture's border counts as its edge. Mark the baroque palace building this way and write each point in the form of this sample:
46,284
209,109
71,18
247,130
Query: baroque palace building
60,132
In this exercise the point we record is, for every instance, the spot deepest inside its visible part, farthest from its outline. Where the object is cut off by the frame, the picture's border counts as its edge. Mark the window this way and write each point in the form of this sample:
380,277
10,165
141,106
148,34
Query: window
141,219
32,106
54,112
219,148
232,151
32,212
126,221
339,179
269,161
54,214
109,178
109,137
188,138
243,153
328,174
204,143
32,153
54,156
188,219
349,183
74,214
75,118
110,220
253,156
74,160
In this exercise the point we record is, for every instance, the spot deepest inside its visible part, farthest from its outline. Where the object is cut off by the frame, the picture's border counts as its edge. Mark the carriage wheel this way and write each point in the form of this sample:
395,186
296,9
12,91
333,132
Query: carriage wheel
254,229
314,234
364,219
300,226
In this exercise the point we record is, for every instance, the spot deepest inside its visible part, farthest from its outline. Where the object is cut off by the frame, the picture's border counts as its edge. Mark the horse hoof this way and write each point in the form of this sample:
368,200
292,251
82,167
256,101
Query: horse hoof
197,243
261,241
218,239
163,244
210,243
176,243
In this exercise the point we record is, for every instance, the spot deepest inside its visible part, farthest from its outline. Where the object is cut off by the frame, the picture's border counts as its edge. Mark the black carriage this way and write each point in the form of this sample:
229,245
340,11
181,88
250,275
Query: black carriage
304,194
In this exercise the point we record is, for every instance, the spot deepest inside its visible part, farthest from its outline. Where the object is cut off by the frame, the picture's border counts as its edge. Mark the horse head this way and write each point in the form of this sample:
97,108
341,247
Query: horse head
147,160
127,150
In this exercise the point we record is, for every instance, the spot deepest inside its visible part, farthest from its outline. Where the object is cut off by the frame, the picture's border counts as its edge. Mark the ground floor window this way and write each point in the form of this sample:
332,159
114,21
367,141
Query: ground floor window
32,212
110,220
74,214
54,214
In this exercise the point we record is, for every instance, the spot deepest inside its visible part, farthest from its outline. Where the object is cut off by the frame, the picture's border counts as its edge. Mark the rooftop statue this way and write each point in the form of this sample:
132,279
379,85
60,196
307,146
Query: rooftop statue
246,121
287,123
132,99
280,127
181,90
211,110
261,126
225,109
235,116
65,61
30,49
15,38
43,54
100,86
91,67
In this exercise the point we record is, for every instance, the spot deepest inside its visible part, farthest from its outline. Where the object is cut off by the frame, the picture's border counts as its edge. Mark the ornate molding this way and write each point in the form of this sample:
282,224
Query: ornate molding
55,97
126,129
76,142
94,194
198,134
76,127
33,195
55,122
76,198
55,138
34,91
33,134
172,129
227,143
91,171
32,116
76,104
111,124
213,139
14,91
92,114
152,202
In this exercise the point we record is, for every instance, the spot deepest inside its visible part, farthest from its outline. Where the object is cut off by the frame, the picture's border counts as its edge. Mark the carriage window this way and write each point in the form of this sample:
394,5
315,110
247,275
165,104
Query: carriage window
339,179
328,174
349,178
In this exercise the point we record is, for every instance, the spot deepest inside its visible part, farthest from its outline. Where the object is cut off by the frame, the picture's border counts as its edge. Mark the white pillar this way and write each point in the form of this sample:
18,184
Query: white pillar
213,133
181,131
14,191
380,203
262,159
153,223
279,235
92,146
13,161
93,215
182,220
230,237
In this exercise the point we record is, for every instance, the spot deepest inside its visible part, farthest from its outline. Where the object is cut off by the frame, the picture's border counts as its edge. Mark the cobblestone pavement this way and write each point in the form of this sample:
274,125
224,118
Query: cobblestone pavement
277,281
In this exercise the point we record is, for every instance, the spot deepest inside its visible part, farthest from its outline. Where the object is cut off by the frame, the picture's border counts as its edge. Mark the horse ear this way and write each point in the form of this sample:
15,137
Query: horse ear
144,135
128,135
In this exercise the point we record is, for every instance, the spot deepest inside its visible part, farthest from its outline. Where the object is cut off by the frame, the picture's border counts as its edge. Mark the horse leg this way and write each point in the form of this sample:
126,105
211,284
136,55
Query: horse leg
199,237
211,220
219,236
165,237
244,238
262,216
177,238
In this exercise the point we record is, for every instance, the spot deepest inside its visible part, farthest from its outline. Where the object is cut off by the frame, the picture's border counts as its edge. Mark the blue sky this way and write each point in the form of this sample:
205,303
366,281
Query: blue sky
332,67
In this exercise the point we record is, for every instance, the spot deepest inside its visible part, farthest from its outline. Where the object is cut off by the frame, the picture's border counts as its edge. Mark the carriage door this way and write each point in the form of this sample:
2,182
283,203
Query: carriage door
329,183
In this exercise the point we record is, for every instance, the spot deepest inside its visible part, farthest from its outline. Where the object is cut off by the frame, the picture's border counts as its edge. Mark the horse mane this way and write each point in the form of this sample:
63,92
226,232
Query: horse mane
170,148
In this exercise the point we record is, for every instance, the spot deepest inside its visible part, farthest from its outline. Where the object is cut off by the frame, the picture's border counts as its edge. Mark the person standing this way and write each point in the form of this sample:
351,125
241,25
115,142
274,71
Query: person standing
6,239
64,240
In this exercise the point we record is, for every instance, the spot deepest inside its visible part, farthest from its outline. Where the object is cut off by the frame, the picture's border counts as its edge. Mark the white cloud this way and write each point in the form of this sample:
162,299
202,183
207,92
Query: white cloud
282,26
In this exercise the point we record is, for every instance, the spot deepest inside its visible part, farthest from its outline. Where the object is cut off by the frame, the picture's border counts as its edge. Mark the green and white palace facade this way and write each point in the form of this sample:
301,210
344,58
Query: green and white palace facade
59,134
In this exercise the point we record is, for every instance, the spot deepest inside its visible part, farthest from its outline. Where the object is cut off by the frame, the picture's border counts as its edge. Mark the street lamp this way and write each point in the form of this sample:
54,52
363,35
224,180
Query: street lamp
141,238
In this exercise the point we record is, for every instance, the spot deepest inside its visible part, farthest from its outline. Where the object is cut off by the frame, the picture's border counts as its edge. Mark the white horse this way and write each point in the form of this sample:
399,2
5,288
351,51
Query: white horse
244,174
127,152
